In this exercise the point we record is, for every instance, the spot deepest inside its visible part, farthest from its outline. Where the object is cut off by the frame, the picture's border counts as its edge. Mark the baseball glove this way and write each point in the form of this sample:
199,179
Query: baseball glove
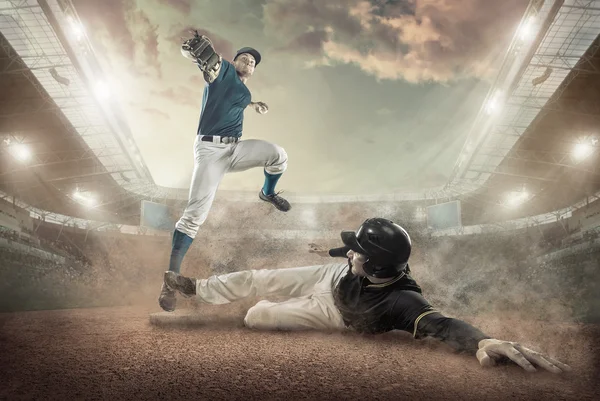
201,50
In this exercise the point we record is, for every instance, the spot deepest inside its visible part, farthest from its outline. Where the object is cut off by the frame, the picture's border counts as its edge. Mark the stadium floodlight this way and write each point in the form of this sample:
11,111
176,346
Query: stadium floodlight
582,150
21,152
493,104
517,198
526,31
102,90
86,199
76,29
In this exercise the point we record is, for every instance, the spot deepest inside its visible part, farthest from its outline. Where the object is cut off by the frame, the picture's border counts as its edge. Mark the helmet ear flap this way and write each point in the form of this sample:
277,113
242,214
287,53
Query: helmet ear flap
371,268
368,267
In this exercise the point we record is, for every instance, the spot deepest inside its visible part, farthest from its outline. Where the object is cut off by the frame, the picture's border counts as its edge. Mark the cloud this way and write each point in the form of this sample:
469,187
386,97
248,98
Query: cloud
415,40
118,26
412,40
155,112
108,16
181,95
403,40
145,34
384,111
183,6
308,42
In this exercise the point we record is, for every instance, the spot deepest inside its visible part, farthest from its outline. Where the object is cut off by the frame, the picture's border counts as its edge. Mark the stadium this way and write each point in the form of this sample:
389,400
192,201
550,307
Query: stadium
508,239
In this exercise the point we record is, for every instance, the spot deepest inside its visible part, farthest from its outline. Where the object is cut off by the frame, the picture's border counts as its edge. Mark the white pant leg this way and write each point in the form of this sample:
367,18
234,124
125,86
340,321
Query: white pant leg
305,313
315,311
257,153
211,162
291,282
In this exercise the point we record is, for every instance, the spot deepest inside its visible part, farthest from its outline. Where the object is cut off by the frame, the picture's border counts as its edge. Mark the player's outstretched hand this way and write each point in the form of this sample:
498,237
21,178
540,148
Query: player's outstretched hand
319,250
491,351
261,107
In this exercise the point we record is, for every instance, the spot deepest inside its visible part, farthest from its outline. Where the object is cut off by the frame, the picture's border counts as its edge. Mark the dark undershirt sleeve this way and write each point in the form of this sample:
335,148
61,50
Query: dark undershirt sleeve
411,307
339,252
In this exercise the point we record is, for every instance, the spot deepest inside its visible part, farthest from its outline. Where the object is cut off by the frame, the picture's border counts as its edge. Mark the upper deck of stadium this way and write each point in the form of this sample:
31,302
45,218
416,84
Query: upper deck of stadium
531,150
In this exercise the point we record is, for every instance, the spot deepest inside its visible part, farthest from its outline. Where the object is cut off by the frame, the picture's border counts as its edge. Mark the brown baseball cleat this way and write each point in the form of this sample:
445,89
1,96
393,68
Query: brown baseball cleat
167,300
176,282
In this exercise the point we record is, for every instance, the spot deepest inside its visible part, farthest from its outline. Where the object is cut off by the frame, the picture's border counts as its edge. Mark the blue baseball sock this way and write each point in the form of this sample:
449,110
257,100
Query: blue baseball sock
270,182
181,244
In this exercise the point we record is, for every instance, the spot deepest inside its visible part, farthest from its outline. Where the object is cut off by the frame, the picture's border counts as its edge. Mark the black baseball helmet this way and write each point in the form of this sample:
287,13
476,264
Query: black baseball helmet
386,245
249,50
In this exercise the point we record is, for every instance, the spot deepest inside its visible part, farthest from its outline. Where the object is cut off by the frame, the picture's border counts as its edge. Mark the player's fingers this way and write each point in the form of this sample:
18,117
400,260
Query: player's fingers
559,364
511,352
484,359
546,364
543,361
539,360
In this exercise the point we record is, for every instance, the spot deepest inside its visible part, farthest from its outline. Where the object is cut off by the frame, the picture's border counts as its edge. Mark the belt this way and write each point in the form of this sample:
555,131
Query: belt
219,139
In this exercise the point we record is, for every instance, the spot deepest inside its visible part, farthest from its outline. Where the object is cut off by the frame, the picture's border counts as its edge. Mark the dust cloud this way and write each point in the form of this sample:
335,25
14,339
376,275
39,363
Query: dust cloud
466,276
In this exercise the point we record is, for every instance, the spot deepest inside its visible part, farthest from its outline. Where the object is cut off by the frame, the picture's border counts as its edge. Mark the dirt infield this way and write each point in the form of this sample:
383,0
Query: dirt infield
115,353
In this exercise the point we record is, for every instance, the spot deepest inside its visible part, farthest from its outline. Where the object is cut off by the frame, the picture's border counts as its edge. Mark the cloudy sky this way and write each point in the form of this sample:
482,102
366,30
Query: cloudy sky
365,96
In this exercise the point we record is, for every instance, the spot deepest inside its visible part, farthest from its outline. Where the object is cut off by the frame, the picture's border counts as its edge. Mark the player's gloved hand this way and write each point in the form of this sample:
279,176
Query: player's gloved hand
492,351
260,107
201,51
319,250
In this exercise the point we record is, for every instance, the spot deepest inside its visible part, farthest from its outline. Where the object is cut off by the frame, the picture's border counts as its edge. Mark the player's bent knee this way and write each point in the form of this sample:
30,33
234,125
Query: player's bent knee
259,317
278,163
282,154
188,228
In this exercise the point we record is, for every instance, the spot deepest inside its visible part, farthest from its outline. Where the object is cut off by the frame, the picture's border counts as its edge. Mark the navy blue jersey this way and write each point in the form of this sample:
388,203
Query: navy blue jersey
223,104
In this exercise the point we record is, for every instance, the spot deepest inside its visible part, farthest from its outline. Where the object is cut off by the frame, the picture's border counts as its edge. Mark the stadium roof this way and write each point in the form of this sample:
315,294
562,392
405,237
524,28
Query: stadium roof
543,101
529,144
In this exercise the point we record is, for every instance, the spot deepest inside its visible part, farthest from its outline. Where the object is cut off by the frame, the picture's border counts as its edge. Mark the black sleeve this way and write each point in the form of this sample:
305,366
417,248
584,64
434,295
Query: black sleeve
457,333
339,252
411,307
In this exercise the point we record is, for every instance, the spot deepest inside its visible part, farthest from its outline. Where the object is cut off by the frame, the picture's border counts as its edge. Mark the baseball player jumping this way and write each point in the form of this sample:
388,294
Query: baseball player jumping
218,148
372,292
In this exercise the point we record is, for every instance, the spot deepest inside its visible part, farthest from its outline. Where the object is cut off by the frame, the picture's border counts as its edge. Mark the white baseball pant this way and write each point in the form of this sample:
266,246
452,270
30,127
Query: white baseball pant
311,304
212,161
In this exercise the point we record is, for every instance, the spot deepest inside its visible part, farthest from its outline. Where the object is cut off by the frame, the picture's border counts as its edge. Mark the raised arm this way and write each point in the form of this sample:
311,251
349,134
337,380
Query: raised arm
201,51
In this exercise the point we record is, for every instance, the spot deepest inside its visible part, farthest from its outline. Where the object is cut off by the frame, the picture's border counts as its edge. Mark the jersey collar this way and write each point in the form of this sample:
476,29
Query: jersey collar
387,283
